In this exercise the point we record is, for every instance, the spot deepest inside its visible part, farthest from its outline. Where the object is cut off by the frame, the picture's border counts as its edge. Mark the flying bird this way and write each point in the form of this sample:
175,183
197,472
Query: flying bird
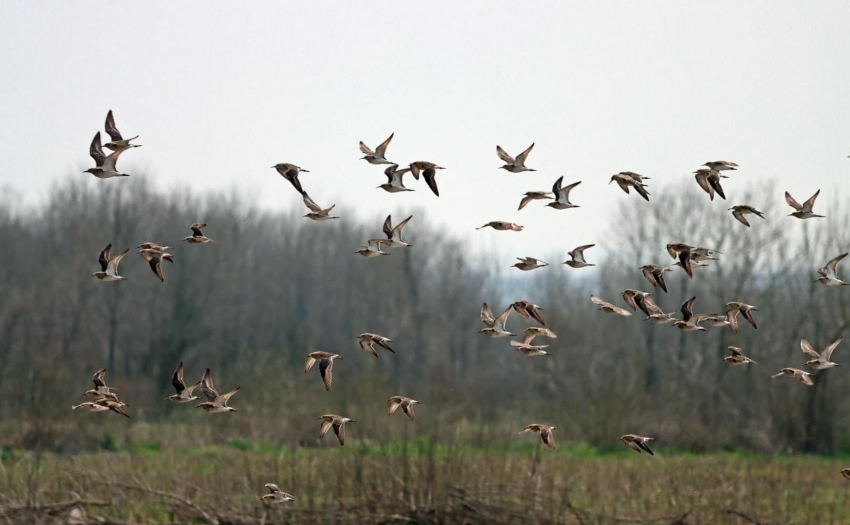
577,257
721,165
100,389
394,235
184,393
733,308
372,248
326,364
820,361
527,309
154,259
526,348
739,213
690,321
216,403
803,211
514,165
276,495
562,195
797,374
737,357
316,212
626,181
429,171
368,342
379,155
502,226
338,424
290,172
609,308
406,405
829,273
495,326
532,196
198,236
394,182
109,267
118,142
638,443
527,264
545,432
654,273
104,166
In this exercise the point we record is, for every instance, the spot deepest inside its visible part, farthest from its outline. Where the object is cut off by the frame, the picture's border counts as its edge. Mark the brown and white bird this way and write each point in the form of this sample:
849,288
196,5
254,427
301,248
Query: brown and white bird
102,405
533,196
406,405
395,182
799,375
184,393
100,389
733,308
638,443
338,424
709,181
527,309
317,213
429,171
326,364
368,342
654,273
802,211
737,357
609,308
545,432
104,166
527,264
394,235
290,172
198,236
109,267
846,473
514,165
577,257
562,195
526,348
372,248
820,361
154,259
216,403
721,165
502,226
643,300
740,212
495,326
537,331
829,273
118,143
276,495
379,155
690,321
626,181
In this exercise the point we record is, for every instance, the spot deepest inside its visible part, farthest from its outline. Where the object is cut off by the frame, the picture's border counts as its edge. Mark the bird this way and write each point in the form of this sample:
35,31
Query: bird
540,332
609,308
429,171
625,181
638,443
198,236
717,320
326,364
661,318
104,167
533,195
803,211
682,252
276,495
829,273
640,299
118,142
406,405
215,403
316,212
654,273
735,307
527,264
797,374
100,389
740,211
737,357
562,195
721,165
379,155
394,235
577,257
394,182
109,267
689,321
846,473
514,165
372,248
102,405
495,326
709,181
368,342
526,348
290,172
338,424
502,226
148,245
528,309
154,258
819,361
545,432
184,393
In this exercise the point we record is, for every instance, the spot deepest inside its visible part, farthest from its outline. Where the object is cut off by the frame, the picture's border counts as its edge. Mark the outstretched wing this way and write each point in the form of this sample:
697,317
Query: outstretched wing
504,155
792,202
111,130
96,151
208,387
103,258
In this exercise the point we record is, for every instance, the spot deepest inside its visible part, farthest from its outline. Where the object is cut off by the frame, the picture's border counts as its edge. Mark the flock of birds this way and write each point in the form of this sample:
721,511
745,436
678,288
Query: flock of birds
685,256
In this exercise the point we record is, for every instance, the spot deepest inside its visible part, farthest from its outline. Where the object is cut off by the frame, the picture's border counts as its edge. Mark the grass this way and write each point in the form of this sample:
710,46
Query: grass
423,482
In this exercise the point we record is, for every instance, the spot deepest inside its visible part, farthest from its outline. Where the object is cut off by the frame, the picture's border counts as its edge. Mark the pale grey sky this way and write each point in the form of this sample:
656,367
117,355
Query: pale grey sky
220,91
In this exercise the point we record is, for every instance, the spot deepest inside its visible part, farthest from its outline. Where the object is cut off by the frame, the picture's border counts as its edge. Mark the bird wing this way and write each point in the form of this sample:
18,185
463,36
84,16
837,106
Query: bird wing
400,227
365,149
394,404
272,487
381,150
827,352
556,188
407,407
565,191
382,342
326,425
520,159
548,437
156,266
388,227
326,369
833,264
503,317
112,267
339,430
208,387
739,214
629,297
96,151
111,130
504,155
650,276
310,203
714,181
487,315
177,379
808,349
292,176
103,258
685,261
525,200
642,444
430,179
809,204
533,311
366,344
792,202
98,378
309,364
687,308
578,253
224,397
661,282
110,161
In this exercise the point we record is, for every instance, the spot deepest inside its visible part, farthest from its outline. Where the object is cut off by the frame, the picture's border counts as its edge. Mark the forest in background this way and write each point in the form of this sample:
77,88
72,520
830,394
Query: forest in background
275,286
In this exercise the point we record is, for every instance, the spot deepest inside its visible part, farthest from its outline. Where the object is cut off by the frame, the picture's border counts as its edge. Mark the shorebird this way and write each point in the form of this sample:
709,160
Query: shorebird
215,403
290,172
562,195
804,211
545,432
704,254
609,308
198,236
735,307
338,424
109,267
406,405
184,393
533,195
624,181
429,171
368,342
528,309
372,248
394,235
276,495
394,182
690,256
709,181
577,257
316,212
147,245
654,273
737,357
154,259
717,320
526,348
527,264
118,142
829,273
326,364
819,361
537,331
502,226
721,165
797,374
514,165
379,155
637,443
104,167
643,300
102,405
739,213
846,473
100,389
495,326
661,318
690,321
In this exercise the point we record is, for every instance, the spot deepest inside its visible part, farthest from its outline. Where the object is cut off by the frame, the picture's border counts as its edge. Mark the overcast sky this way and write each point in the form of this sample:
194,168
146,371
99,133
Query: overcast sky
220,91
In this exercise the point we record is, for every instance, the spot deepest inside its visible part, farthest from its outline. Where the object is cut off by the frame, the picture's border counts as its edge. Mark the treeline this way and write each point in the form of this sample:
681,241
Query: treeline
275,286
